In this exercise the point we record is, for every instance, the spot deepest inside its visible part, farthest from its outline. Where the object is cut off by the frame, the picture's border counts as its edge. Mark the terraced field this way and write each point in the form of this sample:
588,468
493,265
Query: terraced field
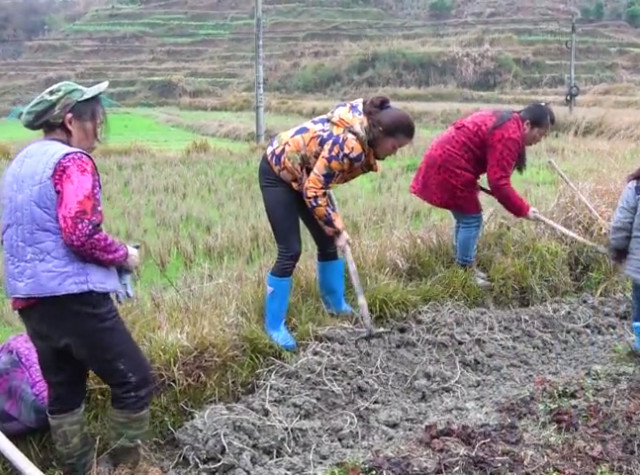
193,50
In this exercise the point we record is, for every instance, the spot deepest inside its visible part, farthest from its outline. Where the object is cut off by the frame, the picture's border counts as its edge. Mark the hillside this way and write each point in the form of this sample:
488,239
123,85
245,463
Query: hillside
162,51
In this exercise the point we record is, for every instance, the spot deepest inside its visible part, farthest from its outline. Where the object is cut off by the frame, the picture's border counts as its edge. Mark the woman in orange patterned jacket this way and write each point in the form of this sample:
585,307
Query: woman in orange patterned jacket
295,174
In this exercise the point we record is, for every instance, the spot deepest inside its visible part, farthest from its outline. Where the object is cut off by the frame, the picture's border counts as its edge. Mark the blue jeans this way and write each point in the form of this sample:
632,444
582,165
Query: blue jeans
635,301
465,236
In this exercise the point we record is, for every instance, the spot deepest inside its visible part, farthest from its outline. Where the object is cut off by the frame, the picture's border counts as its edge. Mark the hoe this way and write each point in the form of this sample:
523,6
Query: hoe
355,281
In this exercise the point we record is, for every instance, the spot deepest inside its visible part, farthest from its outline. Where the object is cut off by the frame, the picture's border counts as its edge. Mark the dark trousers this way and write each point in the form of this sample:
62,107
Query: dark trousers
285,208
76,333
635,301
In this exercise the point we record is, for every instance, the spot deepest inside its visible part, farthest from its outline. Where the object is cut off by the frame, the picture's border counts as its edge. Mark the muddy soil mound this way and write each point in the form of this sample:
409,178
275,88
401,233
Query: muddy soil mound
580,425
338,401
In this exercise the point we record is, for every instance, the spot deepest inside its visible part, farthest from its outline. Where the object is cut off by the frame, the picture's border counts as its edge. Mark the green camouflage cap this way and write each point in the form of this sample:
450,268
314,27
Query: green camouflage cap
52,104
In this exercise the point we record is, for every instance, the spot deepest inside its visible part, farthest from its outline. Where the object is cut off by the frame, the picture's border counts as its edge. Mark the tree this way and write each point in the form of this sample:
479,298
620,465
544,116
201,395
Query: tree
586,12
24,19
441,8
633,16
598,11
616,12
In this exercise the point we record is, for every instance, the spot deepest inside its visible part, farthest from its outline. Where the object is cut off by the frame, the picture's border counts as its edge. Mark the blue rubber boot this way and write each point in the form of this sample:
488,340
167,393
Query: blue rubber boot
275,311
331,284
636,331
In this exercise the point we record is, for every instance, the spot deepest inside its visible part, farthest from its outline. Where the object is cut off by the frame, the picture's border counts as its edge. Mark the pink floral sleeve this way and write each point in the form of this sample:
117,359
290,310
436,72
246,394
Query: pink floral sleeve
77,184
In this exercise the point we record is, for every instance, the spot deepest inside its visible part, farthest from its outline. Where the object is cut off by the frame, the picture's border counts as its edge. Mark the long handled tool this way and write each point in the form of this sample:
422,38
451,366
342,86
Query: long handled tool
355,281
560,228
584,200
571,234
17,458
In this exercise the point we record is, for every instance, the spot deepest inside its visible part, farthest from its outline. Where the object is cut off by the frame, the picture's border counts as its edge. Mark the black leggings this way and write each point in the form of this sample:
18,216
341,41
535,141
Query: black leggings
285,207
76,333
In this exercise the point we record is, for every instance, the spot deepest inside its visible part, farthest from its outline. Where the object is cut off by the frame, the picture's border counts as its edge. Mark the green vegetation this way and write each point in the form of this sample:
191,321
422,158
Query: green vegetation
207,244
168,54
180,171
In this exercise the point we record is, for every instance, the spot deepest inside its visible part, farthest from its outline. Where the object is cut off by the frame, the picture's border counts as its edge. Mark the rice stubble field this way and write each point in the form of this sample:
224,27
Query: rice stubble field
443,391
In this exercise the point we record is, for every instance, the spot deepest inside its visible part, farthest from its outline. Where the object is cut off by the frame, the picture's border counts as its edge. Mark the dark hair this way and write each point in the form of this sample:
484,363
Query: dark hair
385,120
539,114
86,111
635,175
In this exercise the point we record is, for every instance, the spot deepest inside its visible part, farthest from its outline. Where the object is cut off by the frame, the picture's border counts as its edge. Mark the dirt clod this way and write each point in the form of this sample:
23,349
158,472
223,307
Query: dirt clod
456,391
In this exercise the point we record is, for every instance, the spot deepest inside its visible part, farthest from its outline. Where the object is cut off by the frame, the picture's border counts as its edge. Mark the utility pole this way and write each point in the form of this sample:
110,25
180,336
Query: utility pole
259,66
574,90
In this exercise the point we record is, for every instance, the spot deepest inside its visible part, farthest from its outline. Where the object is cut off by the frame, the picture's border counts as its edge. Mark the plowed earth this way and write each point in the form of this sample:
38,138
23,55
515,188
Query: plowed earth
545,389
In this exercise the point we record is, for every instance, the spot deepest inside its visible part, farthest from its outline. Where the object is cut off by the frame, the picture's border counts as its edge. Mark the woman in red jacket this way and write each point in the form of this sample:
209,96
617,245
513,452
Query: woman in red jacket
487,141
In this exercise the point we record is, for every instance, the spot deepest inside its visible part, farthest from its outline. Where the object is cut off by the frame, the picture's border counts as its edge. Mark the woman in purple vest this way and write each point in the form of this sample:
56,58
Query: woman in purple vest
60,270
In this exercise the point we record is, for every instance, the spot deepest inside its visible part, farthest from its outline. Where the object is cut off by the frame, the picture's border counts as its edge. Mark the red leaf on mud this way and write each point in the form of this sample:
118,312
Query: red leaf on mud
594,414
436,444
540,381
431,436
450,431
564,418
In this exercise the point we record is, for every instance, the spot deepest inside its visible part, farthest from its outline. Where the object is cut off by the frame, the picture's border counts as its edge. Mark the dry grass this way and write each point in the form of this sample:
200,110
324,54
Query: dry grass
207,246
6,152
608,118
436,98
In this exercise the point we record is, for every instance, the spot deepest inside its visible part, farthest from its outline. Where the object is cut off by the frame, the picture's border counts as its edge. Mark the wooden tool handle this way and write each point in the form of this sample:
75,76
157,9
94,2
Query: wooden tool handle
571,234
355,280
561,229
566,180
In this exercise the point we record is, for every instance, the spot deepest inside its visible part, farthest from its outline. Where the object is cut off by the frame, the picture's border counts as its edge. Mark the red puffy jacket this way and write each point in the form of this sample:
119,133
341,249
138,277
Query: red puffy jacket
448,175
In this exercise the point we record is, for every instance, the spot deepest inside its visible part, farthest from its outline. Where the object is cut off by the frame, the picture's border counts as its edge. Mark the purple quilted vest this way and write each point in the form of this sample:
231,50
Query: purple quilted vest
37,262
